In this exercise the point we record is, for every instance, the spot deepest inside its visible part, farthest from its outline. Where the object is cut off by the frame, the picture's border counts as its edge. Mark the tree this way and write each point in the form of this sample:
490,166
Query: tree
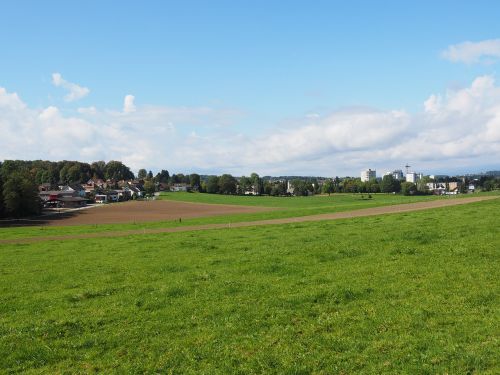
328,187
463,188
351,185
163,176
141,175
422,184
390,185
20,195
97,169
74,173
150,175
301,187
149,187
63,174
372,186
267,187
257,183
245,184
194,180
203,187
408,188
212,185
116,170
227,184
278,188
175,179
488,185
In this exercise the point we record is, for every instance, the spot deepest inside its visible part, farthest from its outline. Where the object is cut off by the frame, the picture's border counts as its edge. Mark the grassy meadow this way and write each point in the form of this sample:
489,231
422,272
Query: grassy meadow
313,202
408,293
280,207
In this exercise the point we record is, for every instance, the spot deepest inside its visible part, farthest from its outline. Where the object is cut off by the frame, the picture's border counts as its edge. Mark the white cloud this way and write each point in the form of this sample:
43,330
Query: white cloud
87,110
49,113
128,104
75,91
456,128
486,51
11,101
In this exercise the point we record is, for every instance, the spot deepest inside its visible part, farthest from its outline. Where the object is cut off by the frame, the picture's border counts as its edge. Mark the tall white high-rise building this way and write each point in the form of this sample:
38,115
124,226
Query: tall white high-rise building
411,177
368,174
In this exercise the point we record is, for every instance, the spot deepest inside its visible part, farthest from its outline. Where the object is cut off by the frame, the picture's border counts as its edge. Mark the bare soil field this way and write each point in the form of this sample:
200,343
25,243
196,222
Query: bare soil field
144,211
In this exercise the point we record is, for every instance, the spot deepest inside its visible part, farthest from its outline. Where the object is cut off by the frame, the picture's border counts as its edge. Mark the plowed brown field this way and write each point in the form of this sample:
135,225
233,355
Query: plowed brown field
144,211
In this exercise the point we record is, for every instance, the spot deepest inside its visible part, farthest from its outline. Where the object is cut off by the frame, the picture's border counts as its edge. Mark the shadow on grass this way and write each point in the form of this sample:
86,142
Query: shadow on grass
45,219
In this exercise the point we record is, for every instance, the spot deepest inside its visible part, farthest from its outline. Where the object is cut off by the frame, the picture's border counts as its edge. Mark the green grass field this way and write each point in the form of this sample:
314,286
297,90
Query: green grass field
315,202
282,207
404,293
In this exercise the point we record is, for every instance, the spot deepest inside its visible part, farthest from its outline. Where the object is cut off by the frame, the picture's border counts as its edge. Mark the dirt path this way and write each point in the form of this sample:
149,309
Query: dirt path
407,207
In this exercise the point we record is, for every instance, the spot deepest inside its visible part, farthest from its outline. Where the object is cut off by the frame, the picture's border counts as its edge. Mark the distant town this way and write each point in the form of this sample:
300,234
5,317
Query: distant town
27,187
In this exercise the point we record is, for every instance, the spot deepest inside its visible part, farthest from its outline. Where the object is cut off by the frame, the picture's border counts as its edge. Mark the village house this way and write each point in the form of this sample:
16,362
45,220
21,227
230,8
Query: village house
78,189
136,190
252,191
179,187
440,188
92,185
62,198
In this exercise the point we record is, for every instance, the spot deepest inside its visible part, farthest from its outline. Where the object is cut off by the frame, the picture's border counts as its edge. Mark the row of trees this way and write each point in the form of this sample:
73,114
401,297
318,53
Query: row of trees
65,172
227,184
193,179
388,184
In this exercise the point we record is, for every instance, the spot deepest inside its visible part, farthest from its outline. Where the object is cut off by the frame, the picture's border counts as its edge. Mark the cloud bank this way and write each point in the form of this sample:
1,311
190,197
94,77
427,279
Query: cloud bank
458,128
75,91
486,51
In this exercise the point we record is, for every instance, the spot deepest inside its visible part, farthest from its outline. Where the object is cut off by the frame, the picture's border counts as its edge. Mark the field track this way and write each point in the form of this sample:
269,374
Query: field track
407,207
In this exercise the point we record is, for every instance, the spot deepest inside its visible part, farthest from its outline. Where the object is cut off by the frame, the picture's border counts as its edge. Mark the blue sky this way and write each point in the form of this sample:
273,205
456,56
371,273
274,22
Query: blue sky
247,86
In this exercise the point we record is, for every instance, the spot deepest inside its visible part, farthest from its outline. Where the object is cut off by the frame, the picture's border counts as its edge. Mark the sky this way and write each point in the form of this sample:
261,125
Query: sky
322,88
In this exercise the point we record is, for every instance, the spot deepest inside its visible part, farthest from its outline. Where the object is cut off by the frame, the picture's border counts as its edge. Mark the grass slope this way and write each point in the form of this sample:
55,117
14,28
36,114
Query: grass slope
406,293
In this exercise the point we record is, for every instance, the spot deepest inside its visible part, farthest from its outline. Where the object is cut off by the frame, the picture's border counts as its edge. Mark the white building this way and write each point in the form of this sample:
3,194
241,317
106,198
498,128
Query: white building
368,174
413,177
